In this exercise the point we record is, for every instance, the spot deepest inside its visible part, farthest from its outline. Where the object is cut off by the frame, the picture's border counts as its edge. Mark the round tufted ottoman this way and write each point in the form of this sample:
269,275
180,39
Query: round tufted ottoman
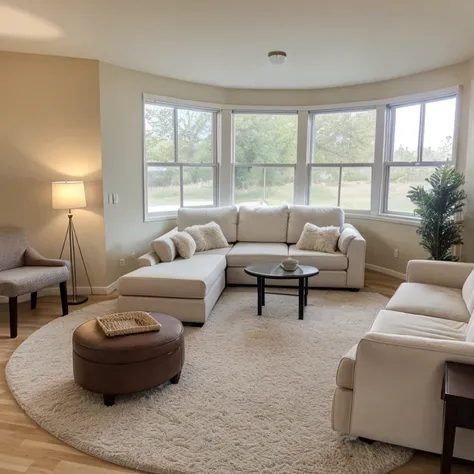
127,364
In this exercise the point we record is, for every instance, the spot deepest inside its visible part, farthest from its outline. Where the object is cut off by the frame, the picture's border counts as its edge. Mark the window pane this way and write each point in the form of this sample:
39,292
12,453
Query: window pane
344,137
259,185
198,185
195,136
159,141
163,189
324,186
265,138
407,129
439,130
356,186
401,178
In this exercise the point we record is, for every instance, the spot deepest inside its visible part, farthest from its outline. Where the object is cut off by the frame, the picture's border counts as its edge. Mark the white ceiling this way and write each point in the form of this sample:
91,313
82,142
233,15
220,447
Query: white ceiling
225,42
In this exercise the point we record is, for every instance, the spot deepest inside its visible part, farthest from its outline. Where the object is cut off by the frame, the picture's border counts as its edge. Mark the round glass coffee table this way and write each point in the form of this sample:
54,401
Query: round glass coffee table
274,271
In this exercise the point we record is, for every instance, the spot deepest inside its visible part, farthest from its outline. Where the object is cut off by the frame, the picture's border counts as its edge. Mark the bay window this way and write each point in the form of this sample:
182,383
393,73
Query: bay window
363,158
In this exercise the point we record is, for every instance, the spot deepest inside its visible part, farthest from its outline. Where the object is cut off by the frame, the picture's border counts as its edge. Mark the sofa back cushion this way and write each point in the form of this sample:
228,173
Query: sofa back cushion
263,224
226,217
468,292
320,216
13,243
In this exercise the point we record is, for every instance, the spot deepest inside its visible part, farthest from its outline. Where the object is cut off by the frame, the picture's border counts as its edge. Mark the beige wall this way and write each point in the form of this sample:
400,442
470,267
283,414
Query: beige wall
121,105
50,131
383,238
417,83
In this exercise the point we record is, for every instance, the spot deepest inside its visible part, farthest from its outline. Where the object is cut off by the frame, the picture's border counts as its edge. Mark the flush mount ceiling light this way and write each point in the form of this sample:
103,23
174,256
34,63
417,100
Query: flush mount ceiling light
277,57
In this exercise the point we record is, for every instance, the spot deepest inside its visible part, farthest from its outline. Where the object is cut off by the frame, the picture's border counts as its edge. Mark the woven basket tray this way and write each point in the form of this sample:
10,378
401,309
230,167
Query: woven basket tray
132,322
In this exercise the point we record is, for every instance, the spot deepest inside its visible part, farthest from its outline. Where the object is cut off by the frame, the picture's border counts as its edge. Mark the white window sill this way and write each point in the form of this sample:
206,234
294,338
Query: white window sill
390,218
164,217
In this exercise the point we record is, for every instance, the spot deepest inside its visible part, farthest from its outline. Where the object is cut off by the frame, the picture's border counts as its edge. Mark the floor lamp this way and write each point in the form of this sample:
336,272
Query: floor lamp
71,195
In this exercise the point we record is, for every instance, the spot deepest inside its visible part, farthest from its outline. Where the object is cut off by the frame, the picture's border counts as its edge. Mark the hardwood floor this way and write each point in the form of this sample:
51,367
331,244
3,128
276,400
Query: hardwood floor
25,447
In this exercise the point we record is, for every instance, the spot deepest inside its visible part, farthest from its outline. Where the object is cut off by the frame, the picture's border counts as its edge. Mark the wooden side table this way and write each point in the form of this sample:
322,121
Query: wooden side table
458,396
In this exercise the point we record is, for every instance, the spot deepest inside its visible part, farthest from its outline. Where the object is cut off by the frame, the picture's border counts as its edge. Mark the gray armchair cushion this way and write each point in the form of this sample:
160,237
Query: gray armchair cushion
23,280
13,243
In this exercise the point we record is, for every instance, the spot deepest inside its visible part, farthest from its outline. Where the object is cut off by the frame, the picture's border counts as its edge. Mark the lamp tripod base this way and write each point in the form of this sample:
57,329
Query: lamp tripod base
77,299
71,236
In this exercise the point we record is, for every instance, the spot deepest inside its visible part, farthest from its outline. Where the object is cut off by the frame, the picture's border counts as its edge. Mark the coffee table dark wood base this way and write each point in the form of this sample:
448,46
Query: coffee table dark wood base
302,295
274,271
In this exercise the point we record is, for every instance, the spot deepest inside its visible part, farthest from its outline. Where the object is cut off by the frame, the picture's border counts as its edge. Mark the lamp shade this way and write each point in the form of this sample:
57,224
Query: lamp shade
68,195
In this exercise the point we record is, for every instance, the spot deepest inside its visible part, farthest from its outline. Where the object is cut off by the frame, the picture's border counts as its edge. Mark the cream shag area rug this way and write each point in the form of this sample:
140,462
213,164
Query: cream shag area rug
254,396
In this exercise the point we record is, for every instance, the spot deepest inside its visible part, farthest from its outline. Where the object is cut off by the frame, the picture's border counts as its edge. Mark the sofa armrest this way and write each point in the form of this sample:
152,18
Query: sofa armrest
356,260
397,387
432,272
148,260
34,259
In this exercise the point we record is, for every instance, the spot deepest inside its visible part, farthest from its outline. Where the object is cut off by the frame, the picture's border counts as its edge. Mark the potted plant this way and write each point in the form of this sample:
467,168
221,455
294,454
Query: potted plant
438,207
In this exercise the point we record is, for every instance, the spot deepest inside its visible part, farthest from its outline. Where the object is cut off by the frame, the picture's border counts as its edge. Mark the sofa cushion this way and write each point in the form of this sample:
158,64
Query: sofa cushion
319,239
320,260
430,300
226,217
468,292
345,370
407,324
248,253
164,247
185,244
182,278
470,331
222,251
320,216
262,224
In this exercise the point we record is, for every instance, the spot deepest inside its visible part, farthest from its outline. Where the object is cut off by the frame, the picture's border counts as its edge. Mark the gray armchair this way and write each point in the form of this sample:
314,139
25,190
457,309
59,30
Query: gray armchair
23,270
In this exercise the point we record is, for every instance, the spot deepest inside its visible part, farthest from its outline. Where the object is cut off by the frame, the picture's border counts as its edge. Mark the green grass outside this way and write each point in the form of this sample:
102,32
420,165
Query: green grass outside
354,195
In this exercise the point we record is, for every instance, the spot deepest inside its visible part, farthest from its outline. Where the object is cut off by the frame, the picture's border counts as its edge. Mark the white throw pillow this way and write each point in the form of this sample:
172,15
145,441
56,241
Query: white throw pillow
318,239
346,237
165,249
185,244
207,236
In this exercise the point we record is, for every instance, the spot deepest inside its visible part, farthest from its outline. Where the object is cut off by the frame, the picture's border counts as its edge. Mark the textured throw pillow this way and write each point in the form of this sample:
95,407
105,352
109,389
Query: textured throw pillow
318,239
164,248
346,237
185,244
207,236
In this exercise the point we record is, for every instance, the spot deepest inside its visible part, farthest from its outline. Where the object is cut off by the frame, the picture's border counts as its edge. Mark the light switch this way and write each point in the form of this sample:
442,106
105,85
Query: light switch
115,198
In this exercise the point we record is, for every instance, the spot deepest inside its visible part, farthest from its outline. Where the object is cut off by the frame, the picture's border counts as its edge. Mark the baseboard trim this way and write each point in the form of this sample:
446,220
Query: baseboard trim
385,271
81,290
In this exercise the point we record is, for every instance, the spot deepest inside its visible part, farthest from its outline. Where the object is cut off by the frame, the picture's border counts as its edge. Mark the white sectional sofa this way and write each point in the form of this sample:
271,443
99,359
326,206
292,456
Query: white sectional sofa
389,384
188,289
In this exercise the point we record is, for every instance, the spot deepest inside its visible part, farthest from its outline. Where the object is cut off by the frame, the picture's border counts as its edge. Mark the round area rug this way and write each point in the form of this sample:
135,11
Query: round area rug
254,396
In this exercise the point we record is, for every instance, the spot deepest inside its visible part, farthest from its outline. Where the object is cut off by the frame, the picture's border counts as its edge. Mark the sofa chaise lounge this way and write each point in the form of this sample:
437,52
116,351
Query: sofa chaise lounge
389,384
189,288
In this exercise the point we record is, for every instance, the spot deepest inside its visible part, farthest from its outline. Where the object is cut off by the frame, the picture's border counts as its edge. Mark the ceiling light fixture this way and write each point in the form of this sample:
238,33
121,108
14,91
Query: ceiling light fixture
277,57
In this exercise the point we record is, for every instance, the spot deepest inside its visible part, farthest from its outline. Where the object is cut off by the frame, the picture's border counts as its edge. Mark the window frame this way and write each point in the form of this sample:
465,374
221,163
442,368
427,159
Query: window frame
224,143
388,162
236,165
312,164
147,165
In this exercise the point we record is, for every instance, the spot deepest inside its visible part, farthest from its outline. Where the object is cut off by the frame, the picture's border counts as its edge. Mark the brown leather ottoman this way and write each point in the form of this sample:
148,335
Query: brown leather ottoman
127,364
